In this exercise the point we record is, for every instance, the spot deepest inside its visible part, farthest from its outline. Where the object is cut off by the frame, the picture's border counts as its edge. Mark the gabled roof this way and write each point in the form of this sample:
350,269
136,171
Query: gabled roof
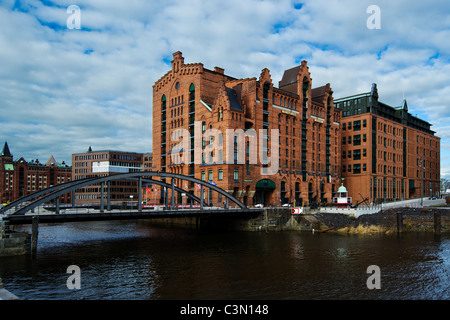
318,92
289,76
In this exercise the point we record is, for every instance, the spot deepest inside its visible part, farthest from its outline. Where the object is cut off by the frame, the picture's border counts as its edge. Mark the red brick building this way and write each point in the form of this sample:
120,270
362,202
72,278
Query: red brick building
387,153
20,178
196,99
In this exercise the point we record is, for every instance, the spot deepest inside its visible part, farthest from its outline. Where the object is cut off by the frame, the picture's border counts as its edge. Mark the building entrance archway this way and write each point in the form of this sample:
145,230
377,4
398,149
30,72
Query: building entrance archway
264,191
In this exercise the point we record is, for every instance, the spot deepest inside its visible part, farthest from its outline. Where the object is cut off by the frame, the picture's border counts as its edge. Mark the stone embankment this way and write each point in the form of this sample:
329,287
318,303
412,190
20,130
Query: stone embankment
281,219
386,221
13,243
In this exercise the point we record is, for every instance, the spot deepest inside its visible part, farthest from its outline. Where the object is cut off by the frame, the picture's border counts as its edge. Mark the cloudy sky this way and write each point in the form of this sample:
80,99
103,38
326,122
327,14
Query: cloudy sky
63,90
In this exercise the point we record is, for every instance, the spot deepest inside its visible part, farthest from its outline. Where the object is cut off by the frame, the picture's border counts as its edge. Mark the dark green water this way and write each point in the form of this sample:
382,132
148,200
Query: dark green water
137,261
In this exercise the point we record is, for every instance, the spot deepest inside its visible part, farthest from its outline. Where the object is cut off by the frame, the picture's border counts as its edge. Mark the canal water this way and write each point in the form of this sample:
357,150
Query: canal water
137,261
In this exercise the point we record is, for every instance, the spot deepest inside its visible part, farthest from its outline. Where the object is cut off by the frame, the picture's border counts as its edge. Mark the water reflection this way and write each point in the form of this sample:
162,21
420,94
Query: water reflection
134,260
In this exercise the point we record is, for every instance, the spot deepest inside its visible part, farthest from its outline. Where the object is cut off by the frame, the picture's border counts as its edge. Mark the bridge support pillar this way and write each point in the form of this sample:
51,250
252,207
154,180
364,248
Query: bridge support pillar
201,197
140,195
108,206
173,193
34,235
437,222
57,206
165,198
73,199
102,205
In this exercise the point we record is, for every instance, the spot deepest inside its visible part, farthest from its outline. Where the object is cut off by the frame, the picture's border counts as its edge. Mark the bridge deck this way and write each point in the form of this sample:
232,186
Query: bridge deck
134,214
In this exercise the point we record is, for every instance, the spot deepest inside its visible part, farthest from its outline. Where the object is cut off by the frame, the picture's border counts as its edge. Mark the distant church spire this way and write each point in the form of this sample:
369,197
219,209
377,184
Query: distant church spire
5,151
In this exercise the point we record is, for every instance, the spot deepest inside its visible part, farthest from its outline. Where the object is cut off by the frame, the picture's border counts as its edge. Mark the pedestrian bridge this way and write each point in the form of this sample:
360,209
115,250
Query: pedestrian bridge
22,210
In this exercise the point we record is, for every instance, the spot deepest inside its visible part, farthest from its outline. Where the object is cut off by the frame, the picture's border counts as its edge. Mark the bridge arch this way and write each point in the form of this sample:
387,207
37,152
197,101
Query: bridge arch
39,193
73,185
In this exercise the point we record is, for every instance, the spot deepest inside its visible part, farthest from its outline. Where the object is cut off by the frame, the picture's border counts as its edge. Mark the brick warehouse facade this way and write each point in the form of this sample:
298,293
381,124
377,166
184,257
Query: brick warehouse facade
101,163
19,178
305,118
383,149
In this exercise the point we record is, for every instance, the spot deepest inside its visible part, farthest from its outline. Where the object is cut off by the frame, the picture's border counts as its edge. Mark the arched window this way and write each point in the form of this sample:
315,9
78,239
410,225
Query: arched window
163,103
191,92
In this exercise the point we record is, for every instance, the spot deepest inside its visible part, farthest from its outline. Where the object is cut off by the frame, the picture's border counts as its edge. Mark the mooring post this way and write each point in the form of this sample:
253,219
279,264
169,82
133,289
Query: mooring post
34,235
437,222
399,222
57,206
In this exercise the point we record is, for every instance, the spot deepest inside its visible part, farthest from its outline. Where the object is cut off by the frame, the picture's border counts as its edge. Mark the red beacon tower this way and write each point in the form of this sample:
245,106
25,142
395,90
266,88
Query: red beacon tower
342,200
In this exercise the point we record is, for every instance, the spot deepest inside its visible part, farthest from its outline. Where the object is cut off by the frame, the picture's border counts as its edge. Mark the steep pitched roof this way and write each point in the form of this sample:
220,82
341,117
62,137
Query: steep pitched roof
318,92
51,162
234,99
5,151
289,76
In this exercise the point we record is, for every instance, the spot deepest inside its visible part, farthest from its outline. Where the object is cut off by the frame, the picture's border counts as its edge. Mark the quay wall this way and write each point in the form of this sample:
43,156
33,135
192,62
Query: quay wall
13,243
281,219
272,219
391,220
